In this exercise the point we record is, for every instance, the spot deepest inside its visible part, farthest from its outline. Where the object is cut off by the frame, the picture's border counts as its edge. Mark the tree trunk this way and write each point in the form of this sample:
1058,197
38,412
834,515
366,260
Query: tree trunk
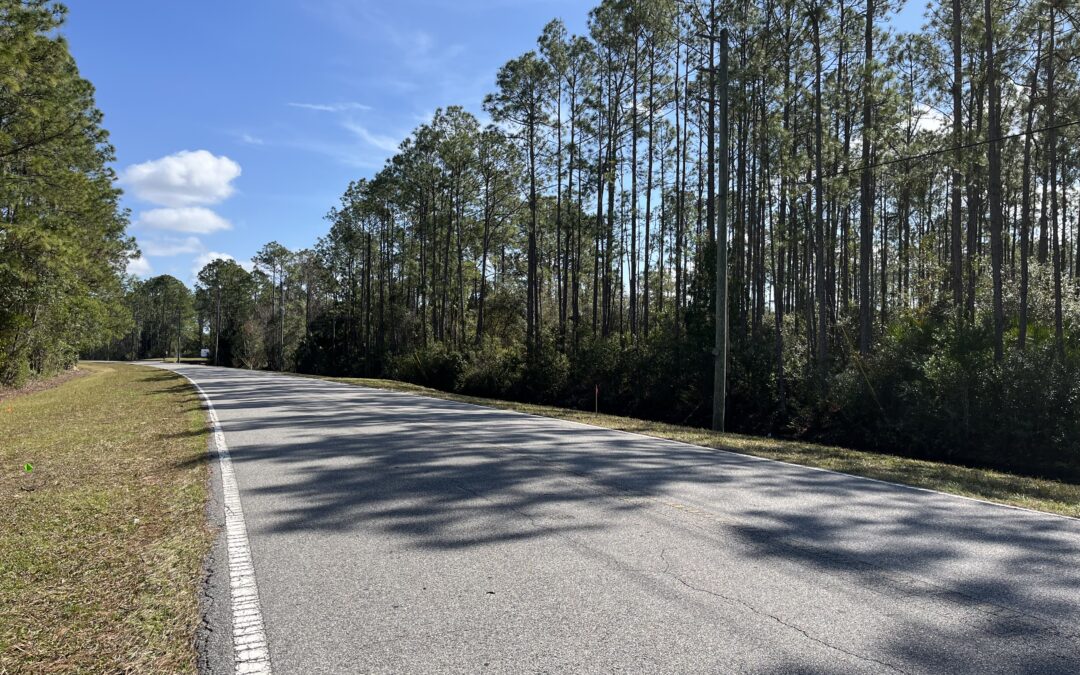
866,224
956,256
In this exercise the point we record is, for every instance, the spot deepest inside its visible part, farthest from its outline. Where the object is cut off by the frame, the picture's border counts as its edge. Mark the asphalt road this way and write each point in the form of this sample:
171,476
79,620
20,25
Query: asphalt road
396,533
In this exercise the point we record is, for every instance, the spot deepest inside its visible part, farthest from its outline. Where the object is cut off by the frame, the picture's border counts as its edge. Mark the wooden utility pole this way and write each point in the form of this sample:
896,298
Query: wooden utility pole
217,323
720,362
281,328
178,333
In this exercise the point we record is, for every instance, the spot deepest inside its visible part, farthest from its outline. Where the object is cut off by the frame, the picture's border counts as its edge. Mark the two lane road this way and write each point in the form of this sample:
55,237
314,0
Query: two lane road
396,533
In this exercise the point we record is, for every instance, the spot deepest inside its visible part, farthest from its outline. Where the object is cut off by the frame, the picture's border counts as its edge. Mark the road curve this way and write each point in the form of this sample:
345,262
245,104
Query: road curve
397,533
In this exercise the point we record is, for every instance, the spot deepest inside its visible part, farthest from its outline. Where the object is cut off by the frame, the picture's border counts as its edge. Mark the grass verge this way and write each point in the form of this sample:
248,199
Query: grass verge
102,543
1033,493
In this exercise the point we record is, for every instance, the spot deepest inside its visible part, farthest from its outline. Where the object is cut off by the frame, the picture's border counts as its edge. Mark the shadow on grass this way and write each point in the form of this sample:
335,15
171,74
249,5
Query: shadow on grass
192,433
198,460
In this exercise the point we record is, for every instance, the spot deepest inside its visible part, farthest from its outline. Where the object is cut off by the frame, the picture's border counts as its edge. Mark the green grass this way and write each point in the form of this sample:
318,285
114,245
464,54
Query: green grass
102,543
1034,493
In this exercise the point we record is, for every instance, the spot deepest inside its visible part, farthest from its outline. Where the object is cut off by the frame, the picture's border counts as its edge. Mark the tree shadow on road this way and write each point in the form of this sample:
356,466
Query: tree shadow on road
445,476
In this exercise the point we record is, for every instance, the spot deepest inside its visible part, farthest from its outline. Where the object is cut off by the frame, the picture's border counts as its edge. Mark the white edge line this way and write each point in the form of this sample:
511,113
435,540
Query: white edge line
694,445
251,654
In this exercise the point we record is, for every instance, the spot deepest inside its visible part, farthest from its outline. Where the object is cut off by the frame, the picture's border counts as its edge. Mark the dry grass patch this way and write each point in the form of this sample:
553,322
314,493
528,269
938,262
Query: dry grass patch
102,542
1034,493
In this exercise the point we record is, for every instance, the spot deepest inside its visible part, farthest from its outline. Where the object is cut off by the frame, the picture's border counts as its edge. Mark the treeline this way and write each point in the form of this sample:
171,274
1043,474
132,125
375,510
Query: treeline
63,249
236,314
903,219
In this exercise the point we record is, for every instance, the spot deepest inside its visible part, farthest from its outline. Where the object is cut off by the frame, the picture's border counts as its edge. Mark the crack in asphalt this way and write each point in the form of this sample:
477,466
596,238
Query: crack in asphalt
906,584
775,618
666,571
914,586
207,601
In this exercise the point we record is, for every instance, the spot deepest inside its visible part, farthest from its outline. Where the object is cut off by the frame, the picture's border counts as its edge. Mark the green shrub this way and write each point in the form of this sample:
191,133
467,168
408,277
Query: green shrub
494,372
933,390
434,366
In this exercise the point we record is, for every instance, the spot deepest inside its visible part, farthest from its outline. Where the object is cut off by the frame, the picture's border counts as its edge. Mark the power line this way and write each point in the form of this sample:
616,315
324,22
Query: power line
942,151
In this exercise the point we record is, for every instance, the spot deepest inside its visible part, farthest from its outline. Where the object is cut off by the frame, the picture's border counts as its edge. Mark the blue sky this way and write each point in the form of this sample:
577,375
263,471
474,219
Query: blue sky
238,123
297,97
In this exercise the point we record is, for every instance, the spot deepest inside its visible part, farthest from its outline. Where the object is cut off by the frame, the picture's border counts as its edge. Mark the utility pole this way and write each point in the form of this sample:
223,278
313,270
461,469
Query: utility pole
217,323
710,129
281,328
178,333
718,225
721,349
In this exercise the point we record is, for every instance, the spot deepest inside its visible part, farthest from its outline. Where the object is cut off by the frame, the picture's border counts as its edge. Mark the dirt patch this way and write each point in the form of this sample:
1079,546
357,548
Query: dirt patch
34,386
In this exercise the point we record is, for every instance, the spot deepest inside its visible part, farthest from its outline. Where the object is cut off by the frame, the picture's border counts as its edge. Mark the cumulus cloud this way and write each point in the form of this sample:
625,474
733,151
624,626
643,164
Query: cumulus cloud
186,178
170,246
190,219
204,259
139,266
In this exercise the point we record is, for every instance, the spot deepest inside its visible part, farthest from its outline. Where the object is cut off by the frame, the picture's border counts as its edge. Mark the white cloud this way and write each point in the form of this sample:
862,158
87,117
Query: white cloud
380,141
139,266
170,246
191,219
204,259
185,178
331,107
349,153
251,140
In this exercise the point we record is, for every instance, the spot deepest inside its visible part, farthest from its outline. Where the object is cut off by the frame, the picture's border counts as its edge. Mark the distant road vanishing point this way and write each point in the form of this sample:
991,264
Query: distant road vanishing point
396,533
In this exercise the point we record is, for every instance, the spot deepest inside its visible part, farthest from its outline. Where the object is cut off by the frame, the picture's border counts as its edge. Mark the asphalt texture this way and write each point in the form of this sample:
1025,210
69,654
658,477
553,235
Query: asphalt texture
398,533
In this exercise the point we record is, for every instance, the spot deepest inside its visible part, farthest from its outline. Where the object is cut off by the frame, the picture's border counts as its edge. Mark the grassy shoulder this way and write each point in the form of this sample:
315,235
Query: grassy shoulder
1033,493
102,542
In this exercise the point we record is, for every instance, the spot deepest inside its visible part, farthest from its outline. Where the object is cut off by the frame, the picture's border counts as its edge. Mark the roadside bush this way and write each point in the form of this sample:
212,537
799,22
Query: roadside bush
14,370
545,375
435,366
932,390
493,372
661,377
